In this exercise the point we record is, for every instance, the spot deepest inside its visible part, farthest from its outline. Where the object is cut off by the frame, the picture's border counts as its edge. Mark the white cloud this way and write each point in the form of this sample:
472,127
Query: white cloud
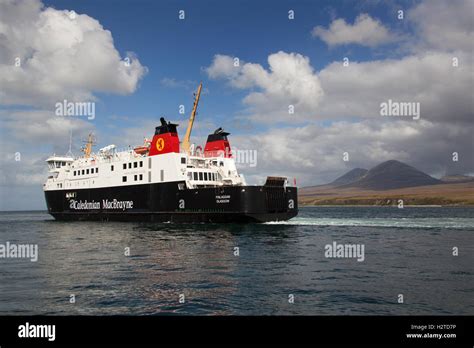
444,25
365,31
222,66
442,90
29,128
290,80
314,153
175,83
62,56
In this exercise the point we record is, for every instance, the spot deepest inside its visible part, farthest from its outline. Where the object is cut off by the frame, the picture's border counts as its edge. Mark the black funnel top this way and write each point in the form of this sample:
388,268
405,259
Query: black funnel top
166,127
218,134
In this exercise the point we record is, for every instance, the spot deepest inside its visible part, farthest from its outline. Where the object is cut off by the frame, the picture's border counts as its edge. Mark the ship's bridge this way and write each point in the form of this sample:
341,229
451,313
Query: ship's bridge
55,163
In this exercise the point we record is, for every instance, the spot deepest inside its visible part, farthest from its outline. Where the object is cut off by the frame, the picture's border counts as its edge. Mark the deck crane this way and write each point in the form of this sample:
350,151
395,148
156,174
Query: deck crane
185,145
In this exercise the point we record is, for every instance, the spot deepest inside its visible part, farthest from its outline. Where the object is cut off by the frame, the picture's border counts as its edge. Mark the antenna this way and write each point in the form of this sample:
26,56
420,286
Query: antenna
69,153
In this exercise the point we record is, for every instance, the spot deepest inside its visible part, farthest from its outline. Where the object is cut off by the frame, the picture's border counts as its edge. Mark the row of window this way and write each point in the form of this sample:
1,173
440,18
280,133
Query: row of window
96,170
136,177
135,165
202,176
86,171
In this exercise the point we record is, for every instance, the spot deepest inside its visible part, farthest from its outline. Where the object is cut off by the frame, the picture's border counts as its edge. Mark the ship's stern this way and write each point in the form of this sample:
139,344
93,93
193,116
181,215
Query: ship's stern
274,201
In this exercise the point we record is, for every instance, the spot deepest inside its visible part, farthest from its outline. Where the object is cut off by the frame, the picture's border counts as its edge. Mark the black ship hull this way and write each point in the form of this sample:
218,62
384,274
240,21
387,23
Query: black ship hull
172,202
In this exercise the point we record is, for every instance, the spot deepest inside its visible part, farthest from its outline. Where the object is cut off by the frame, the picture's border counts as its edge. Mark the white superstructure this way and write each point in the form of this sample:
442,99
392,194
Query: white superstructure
111,168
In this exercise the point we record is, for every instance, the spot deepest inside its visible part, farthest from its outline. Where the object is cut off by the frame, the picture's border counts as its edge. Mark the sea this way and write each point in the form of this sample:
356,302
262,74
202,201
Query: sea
416,261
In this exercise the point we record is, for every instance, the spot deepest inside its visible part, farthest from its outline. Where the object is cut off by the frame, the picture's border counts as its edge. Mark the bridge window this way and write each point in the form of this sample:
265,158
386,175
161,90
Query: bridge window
135,164
130,165
124,179
87,171
141,177
200,176
111,168
195,175
83,172
183,160
135,177
125,166
205,176
141,164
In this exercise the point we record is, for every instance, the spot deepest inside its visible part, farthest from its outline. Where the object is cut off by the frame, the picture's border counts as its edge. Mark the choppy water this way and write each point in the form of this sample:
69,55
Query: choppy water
407,251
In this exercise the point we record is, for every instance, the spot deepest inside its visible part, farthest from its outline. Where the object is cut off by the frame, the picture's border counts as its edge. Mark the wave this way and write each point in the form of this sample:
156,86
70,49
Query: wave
382,222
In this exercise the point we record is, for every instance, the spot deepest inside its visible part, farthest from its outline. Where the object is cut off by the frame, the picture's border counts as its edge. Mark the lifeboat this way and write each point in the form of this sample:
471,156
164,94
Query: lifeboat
143,149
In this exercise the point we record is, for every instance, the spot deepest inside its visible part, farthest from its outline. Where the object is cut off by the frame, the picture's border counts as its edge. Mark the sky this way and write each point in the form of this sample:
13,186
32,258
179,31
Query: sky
333,63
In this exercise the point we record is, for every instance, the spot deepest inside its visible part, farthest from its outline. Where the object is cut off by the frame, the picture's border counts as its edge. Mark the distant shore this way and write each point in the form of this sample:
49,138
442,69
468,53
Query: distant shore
455,194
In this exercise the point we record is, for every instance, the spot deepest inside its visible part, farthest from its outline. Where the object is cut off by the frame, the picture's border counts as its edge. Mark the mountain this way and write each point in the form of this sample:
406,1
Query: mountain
386,184
392,175
351,176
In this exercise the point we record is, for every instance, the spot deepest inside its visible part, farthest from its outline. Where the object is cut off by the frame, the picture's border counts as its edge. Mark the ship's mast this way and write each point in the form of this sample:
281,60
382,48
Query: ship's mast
88,148
185,143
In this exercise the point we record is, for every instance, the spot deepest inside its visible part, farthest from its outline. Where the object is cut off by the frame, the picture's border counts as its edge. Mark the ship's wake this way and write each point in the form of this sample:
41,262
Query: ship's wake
459,223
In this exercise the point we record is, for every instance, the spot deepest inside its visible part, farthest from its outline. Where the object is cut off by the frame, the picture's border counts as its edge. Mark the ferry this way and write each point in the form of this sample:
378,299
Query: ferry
164,180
